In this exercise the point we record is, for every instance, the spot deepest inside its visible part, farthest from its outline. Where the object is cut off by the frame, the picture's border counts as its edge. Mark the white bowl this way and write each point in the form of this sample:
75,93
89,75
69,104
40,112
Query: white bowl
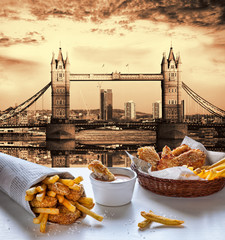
114,193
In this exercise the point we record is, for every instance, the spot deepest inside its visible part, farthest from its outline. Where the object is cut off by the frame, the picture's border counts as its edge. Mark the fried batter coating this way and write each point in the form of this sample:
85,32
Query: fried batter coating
149,155
64,217
166,151
47,202
74,195
59,188
193,158
101,171
181,149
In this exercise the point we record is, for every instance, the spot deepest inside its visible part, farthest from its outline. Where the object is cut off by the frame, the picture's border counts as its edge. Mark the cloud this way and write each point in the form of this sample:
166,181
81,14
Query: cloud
201,13
29,38
18,65
109,31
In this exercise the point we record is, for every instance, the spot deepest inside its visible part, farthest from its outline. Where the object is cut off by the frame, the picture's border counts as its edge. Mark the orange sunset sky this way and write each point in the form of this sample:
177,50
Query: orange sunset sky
127,36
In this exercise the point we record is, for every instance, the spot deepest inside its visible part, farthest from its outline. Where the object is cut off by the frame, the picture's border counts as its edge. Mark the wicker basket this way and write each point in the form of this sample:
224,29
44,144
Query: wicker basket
179,188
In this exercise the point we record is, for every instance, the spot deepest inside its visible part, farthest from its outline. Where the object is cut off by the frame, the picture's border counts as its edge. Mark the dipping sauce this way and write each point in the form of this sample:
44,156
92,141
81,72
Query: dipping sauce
121,178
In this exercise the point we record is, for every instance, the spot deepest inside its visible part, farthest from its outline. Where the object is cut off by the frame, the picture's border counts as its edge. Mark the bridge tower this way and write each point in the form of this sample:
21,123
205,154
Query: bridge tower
60,81
171,87
60,128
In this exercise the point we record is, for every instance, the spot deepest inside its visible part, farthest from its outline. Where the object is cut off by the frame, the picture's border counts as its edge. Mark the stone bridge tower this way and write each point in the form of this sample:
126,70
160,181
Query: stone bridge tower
60,79
171,87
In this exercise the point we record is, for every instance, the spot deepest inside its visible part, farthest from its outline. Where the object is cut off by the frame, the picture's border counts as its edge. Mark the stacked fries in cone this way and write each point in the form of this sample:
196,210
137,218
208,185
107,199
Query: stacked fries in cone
59,201
215,171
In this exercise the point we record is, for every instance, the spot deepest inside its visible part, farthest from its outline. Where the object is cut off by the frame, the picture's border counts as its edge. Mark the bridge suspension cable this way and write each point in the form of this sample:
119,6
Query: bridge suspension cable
11,112
204,103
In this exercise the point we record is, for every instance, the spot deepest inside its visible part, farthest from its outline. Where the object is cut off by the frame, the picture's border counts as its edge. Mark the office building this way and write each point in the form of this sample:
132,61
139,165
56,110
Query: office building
157,110
106,105
129,110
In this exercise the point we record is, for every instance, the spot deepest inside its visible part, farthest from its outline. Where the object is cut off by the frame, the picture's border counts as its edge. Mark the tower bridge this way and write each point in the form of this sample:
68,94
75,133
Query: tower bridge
170,78
171,127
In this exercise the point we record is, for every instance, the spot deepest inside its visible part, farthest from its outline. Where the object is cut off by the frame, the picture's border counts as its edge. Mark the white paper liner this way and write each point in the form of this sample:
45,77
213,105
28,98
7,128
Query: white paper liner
178,173
18,175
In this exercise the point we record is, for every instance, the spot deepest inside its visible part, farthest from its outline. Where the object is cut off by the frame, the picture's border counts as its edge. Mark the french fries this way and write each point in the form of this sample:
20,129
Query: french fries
215,171
29,197
31,191
40,195
156,218
51,180
145,223
69,205
43,222
88,212
38,219
51,193
46,210
222,161
151,217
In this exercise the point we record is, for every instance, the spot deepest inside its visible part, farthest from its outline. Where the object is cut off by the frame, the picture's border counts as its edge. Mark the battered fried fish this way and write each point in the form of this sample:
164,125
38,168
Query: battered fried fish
149,155
192,158
59,188
74,195
64,217
101,171
166,151
181,149
46,202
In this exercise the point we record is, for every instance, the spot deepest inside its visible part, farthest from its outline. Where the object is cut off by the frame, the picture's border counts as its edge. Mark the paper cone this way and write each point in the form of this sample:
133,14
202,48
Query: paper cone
18,175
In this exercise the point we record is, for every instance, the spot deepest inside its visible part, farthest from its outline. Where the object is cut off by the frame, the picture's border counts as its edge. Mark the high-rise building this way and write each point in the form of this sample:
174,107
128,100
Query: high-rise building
106,108
129,110
157,110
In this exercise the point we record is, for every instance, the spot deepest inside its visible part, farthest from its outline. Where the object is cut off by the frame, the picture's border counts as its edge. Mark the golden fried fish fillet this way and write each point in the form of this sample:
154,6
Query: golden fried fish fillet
64,217
149,155
181,149
46,202
75,194
59,188
193,158
101,171
166,151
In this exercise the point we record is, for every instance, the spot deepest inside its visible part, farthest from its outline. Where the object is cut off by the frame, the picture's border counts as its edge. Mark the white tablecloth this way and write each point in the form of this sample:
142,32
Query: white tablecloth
204,218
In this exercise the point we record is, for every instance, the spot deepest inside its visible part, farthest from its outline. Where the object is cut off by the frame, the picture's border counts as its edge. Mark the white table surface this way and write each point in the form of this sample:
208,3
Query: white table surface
204,218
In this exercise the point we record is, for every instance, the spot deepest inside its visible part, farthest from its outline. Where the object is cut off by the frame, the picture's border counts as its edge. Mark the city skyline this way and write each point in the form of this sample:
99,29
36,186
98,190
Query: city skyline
128,37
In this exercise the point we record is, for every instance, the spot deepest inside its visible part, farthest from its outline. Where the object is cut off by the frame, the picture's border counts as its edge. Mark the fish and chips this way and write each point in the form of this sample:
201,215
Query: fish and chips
59,201
194,159
182,155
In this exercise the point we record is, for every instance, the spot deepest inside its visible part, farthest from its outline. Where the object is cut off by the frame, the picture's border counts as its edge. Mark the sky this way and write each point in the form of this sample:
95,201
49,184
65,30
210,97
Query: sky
127,36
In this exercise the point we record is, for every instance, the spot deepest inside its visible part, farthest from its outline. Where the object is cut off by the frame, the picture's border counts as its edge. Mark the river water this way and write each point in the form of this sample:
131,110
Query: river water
110,149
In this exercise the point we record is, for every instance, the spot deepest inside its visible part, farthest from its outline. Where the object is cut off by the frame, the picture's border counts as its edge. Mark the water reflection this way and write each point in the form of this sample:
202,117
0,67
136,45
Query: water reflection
69,153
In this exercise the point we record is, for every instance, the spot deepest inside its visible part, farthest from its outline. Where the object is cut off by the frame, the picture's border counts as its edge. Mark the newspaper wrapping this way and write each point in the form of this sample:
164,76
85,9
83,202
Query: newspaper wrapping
18,175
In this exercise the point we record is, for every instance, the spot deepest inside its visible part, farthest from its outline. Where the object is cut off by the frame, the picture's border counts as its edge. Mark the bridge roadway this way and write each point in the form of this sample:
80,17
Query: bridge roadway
85,124
116,77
